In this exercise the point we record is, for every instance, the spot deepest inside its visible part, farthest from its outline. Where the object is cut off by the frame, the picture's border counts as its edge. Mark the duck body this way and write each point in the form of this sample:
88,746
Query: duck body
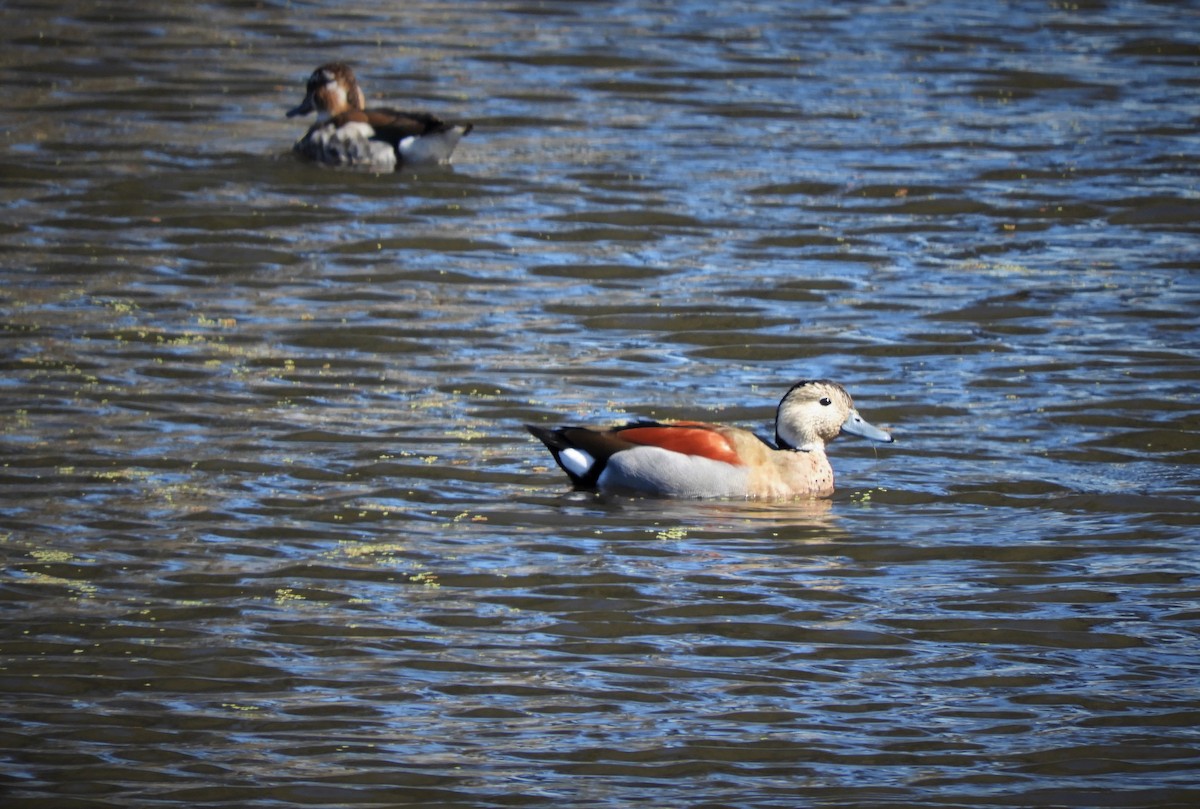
689,459
346,133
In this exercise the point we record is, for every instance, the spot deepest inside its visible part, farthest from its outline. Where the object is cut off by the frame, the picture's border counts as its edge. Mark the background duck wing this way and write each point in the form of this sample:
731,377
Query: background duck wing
394,126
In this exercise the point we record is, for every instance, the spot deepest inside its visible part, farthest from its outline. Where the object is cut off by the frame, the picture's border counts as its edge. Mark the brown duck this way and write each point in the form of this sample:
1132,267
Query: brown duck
348,134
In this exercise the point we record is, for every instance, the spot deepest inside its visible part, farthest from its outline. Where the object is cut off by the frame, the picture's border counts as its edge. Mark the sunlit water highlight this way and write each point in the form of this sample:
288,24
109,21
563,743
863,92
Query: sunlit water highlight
272,532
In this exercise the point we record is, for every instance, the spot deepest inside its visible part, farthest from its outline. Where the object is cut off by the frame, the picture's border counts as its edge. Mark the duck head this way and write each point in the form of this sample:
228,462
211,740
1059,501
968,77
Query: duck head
332,89
816,411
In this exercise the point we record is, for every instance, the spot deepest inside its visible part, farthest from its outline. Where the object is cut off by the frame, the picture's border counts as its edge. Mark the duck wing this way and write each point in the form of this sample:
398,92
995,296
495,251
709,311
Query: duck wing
394,126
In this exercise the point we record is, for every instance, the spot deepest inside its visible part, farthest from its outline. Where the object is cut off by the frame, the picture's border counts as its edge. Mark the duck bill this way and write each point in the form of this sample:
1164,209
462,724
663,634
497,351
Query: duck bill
857,425
306,106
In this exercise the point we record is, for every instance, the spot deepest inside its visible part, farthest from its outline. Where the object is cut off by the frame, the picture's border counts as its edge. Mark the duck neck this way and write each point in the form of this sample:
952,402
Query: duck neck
811,445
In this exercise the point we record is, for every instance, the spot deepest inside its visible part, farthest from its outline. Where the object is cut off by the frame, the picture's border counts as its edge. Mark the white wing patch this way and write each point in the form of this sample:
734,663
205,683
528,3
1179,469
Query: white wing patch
434,148
576,461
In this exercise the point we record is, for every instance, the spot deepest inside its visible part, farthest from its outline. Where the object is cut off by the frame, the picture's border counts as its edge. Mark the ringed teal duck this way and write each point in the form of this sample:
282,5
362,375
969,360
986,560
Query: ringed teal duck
691,459
348,134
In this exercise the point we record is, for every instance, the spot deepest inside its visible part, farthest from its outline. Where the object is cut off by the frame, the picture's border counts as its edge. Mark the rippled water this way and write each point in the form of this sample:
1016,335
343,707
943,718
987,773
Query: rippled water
272,533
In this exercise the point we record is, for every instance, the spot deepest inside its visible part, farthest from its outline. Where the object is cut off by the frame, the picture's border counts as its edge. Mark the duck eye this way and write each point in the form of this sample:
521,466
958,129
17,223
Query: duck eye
826,401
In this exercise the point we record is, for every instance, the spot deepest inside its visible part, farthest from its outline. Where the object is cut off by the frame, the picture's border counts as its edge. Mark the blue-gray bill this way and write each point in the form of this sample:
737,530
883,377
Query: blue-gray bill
857,425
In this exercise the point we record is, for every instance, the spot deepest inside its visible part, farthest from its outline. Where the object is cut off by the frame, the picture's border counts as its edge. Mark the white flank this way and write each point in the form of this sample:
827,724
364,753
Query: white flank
658,471
349,145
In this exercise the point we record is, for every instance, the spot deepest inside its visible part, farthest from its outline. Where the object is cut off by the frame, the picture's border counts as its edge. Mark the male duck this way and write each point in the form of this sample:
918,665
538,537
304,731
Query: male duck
348,134
694,459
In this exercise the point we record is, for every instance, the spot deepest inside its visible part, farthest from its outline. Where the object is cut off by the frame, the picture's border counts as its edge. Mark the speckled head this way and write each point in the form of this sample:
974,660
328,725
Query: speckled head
816,411
332,89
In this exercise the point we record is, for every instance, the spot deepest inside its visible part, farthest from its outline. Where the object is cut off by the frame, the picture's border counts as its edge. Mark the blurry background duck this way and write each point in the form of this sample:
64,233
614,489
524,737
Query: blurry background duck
348,134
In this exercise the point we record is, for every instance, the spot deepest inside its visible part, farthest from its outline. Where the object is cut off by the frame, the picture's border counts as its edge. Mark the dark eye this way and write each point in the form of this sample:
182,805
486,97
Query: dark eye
826,401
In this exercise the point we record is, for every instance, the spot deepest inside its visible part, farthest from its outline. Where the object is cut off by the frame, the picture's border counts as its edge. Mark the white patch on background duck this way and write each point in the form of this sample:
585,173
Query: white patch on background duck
433,148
